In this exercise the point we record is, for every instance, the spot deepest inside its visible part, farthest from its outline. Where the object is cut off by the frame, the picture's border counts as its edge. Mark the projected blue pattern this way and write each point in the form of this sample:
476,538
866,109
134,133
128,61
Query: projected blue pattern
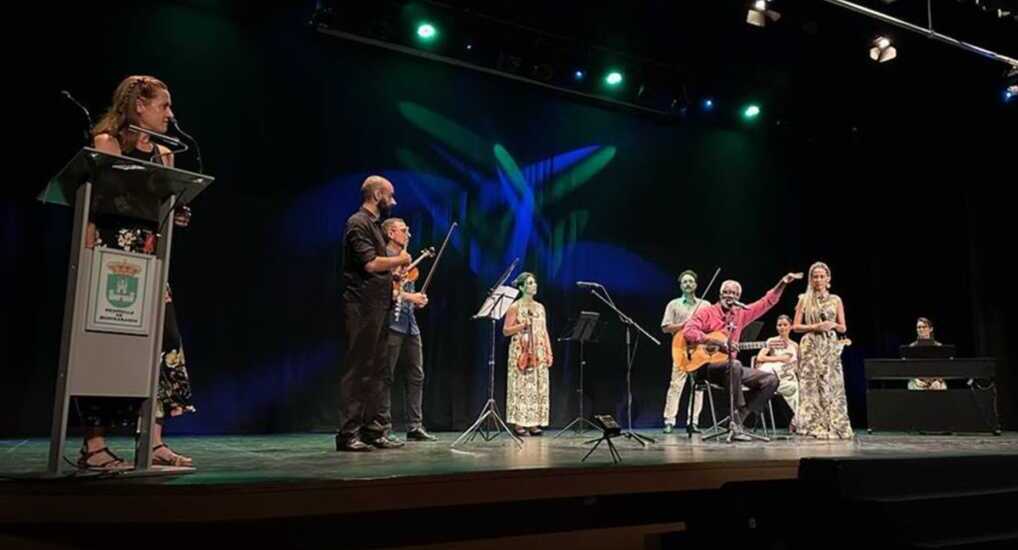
505,210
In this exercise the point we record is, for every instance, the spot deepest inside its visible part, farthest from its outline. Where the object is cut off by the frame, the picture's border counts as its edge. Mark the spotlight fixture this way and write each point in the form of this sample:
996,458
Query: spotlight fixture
882,50
426,31
613,78
759,14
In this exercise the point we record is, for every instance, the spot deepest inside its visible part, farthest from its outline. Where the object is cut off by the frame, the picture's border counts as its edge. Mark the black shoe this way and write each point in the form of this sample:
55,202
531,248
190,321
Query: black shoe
694,429
536,432
386,443
420,435
352,446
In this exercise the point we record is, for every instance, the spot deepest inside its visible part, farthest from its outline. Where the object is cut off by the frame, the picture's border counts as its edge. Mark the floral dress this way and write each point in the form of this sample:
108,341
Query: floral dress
527,389
823,409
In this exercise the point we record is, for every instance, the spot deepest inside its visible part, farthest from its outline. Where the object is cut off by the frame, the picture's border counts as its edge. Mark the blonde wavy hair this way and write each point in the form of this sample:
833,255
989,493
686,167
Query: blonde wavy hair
812,312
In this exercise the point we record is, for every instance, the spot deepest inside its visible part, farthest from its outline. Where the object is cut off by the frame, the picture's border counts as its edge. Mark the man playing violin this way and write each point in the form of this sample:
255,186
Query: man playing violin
402,344
719,327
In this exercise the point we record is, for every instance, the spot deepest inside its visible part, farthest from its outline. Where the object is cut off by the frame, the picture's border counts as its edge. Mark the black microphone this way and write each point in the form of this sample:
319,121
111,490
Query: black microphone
197,149
585,284
157,136
88,116
68,95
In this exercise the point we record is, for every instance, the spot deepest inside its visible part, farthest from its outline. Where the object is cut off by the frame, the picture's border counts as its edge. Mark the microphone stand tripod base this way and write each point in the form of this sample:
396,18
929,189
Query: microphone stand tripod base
581,426
729,434
614,452
641,439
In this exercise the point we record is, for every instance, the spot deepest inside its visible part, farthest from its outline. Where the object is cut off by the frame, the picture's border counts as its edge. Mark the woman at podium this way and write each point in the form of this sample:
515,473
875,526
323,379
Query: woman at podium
145,102
530,356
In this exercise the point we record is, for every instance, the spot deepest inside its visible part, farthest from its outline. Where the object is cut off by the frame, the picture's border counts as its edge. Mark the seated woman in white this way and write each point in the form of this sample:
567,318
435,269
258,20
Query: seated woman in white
780,357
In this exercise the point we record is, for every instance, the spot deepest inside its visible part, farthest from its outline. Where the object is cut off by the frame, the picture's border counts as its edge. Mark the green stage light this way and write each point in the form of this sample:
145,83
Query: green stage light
426,31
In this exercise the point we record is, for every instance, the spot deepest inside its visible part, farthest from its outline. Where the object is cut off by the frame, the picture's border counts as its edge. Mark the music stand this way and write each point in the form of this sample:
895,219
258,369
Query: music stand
582,331
489,423
752,331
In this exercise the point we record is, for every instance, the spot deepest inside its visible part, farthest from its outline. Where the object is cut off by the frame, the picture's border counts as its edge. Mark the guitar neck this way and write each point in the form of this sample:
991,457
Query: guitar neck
761,345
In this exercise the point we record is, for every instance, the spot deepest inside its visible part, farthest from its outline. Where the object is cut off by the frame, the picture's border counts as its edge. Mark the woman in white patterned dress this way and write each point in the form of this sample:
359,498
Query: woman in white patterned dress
530,356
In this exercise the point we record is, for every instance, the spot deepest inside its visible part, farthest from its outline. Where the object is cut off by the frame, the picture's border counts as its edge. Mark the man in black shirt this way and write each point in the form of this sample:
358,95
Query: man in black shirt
367,297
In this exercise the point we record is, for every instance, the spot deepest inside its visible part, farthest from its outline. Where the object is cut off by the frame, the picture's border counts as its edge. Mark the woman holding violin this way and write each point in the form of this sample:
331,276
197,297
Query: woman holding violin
530,357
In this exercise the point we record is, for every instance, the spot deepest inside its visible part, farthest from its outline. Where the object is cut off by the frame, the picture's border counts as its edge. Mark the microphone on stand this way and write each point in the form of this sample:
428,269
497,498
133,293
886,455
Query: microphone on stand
197,149
88,116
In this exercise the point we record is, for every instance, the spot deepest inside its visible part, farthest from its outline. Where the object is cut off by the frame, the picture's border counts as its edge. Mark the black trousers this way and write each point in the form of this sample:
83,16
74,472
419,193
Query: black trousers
403,351
360,388
761,384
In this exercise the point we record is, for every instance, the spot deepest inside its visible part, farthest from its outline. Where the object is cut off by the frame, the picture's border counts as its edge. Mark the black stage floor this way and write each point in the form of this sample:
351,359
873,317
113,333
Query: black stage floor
294,477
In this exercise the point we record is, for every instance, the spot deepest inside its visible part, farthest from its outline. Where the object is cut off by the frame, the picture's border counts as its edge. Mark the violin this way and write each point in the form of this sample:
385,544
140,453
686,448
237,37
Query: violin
528,347
409,274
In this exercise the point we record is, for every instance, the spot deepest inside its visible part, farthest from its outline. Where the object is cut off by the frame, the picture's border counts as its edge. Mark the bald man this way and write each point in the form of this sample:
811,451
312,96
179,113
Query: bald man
367,298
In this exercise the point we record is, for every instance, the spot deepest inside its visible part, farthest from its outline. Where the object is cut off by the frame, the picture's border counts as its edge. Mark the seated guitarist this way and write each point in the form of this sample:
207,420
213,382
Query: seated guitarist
718,326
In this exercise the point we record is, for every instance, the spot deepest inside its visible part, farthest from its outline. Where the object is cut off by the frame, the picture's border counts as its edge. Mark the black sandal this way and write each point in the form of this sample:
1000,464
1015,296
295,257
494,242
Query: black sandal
114,463
177,459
